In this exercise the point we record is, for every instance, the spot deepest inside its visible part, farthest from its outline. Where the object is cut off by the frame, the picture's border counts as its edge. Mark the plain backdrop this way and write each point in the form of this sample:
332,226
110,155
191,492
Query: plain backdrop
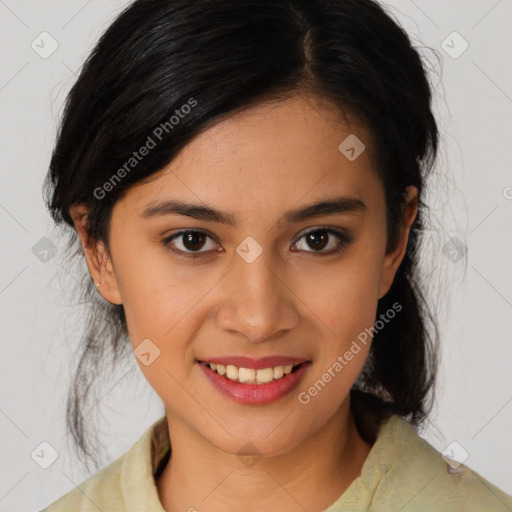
467,262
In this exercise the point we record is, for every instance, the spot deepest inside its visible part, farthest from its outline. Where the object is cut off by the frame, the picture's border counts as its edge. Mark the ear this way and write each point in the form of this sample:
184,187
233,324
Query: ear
393,258
97,257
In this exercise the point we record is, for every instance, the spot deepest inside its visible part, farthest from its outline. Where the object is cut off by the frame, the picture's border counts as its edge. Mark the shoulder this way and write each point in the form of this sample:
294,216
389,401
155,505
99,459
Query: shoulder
418,478
125,484
101,491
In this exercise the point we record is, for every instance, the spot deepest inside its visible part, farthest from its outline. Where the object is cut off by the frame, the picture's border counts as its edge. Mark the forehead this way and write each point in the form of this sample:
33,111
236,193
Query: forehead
267,158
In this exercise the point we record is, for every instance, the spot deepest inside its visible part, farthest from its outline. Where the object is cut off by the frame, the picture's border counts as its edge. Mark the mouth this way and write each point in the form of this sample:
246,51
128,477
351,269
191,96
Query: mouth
254,381
257,376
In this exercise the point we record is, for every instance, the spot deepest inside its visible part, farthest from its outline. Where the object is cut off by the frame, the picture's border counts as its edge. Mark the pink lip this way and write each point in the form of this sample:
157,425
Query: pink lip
255,364
255,393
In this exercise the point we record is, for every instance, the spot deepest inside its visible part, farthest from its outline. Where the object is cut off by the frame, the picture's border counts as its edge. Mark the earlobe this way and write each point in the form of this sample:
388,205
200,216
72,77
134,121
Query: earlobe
104,276
97,258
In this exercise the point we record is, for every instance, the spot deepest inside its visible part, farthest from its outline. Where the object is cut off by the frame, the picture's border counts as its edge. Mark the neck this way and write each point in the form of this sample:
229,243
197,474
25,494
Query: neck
309,477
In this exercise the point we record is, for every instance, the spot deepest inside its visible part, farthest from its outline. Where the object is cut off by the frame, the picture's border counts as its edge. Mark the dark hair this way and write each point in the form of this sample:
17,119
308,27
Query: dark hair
228,55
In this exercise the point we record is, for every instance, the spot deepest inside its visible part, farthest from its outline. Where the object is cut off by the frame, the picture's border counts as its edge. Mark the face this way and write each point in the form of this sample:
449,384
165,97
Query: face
294,289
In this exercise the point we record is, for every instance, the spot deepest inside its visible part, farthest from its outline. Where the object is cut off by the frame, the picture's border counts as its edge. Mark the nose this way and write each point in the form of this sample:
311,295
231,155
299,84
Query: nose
257,302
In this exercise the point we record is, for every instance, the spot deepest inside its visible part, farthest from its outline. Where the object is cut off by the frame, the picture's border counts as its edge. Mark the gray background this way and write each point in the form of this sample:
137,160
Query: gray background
471,197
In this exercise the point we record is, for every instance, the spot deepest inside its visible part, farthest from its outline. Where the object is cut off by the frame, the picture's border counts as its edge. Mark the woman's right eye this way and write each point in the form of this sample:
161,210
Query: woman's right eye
190,241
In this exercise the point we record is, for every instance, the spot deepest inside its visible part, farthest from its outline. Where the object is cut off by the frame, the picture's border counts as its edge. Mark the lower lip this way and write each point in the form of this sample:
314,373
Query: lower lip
255,393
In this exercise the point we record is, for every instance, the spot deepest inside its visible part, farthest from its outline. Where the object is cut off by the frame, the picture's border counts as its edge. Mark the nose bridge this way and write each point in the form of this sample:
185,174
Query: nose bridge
256,302
255,268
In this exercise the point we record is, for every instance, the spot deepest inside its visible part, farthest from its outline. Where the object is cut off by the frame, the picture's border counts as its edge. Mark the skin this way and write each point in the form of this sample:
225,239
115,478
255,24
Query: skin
295,303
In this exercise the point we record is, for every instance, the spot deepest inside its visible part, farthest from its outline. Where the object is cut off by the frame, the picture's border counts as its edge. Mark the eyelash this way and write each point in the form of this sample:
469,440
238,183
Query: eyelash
344,240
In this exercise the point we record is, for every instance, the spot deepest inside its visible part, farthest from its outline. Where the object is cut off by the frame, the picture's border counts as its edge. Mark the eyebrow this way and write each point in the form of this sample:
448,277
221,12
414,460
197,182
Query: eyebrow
336,206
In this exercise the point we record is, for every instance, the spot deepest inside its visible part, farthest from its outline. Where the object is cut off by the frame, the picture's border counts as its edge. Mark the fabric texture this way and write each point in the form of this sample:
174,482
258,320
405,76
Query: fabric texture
402,472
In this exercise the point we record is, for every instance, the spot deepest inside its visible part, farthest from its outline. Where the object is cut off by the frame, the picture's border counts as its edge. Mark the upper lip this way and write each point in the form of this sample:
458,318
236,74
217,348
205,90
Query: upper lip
249,362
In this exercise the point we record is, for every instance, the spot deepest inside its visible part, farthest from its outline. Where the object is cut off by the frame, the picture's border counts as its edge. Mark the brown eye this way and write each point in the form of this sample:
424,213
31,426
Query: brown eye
320,238
192,241
317,240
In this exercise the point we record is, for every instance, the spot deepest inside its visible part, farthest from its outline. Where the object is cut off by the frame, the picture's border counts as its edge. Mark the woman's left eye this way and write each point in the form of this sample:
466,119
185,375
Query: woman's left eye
318,239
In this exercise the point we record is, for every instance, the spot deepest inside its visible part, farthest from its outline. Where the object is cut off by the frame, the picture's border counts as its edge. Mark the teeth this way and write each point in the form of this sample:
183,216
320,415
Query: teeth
231,372
250,375
278,372
246,374
265,375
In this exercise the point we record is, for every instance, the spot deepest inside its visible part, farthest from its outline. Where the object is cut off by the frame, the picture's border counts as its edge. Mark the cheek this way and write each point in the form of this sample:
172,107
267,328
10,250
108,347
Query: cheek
343,296
158,294
162,313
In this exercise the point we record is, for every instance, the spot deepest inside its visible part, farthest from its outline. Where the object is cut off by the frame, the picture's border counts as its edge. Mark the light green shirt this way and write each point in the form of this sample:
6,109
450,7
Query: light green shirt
401,473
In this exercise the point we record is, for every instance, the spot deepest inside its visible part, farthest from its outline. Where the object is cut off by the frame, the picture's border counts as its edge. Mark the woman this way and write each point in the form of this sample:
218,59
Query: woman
246,182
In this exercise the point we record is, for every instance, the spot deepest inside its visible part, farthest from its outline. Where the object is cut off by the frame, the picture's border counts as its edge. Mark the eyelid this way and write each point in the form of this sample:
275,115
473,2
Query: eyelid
344,238
334,229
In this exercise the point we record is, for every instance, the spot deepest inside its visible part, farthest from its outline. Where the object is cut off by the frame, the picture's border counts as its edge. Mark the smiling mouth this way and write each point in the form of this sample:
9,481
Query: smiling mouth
251,375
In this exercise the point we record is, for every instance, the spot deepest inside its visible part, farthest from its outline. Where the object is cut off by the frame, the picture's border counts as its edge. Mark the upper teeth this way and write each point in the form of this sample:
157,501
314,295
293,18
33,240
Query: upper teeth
250,375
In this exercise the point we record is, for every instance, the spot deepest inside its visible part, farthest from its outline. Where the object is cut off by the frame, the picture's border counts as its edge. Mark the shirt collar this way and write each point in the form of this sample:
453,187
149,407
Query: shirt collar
375,421
143,462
